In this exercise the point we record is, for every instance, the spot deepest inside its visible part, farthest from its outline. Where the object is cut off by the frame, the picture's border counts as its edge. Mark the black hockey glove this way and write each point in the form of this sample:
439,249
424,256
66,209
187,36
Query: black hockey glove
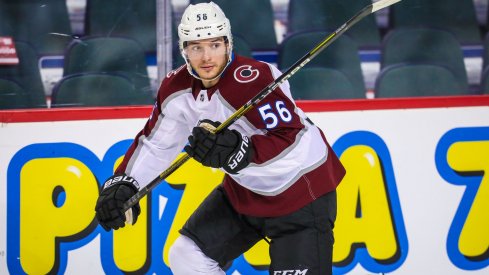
227,149
115,192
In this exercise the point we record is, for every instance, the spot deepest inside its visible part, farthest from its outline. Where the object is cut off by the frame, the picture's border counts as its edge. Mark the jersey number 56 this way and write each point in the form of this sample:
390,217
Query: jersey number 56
269,115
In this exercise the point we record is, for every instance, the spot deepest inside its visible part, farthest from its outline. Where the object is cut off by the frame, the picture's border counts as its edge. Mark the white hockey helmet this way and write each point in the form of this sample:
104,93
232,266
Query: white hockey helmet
203,21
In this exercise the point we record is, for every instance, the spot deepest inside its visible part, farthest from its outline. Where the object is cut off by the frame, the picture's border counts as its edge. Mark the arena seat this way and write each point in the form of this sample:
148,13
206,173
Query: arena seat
12,95
324,15
241,46
342,55
485,52
26,74
119,55
253,20
425,45
484,85
416,80
456,16
45,25
135,19
97,89
323,83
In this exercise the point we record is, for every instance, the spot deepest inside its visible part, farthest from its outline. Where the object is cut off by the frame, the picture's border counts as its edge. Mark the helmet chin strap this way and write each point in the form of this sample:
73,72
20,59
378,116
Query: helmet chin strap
194,73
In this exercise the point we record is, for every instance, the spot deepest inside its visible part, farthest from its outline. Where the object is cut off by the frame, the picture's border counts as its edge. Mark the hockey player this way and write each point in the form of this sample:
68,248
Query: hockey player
281,173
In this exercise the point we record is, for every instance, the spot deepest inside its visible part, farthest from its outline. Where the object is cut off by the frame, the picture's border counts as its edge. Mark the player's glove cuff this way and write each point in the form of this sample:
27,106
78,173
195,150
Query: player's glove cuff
110,205
241,155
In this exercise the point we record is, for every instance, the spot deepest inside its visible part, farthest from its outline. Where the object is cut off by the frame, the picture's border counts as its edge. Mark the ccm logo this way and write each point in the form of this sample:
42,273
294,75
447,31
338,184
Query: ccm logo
290,272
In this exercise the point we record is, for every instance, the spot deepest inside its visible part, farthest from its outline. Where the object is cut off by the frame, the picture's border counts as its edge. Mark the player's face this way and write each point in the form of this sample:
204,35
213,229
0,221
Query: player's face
208,57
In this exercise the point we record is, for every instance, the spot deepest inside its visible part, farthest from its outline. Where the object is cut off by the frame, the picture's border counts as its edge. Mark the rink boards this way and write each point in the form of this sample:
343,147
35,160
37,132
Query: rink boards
414,200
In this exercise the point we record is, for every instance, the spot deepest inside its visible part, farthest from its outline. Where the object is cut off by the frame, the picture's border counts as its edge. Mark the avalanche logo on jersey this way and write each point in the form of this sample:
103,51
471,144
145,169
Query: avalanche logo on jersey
245,74
174,72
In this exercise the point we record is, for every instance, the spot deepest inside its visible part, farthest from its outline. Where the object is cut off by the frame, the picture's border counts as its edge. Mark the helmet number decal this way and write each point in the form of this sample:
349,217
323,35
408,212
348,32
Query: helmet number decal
201,17
245,74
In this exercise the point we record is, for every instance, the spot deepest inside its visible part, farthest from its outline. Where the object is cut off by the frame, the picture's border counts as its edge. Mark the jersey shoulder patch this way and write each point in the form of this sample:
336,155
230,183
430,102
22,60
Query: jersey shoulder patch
174,72
247,70
175,81
246,73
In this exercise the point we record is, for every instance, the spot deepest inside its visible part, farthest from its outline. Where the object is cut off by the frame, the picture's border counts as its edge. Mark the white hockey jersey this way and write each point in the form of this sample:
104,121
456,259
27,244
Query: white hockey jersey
292,165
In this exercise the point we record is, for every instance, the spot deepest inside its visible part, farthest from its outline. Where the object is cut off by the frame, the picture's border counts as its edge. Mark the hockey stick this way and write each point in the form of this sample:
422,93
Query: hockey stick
263,93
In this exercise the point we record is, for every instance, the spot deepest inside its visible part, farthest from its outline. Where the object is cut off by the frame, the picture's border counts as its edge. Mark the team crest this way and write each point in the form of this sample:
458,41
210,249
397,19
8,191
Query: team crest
245,74
174,72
